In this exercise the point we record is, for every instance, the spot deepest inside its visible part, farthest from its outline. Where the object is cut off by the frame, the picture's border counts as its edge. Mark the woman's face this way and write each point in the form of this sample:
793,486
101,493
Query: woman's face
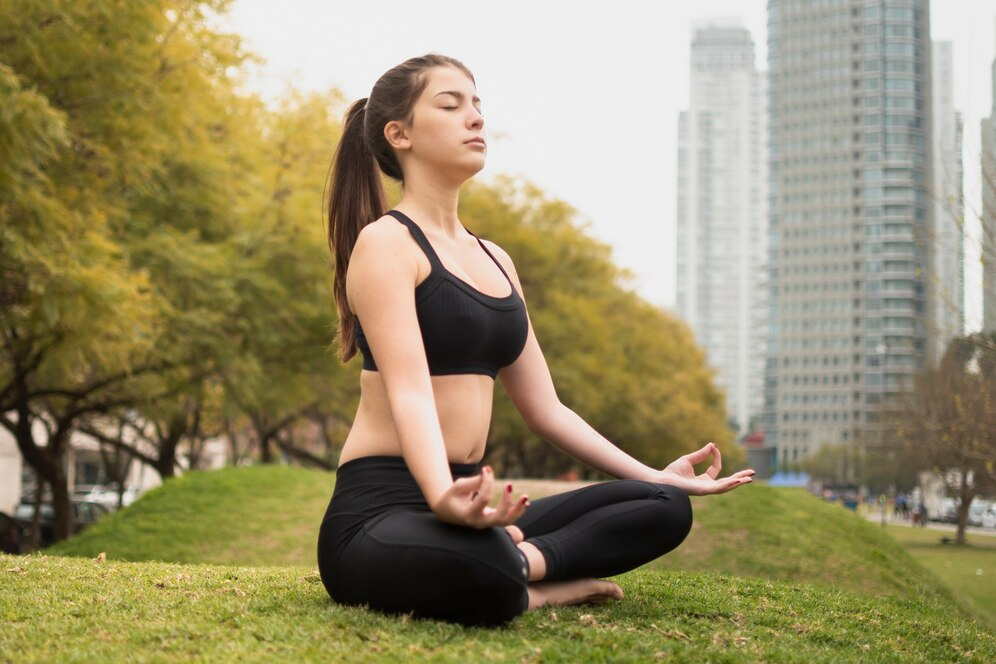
446,132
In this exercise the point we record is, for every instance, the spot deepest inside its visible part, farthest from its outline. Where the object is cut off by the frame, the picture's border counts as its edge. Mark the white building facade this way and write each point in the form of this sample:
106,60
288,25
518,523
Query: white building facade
722,213
947,280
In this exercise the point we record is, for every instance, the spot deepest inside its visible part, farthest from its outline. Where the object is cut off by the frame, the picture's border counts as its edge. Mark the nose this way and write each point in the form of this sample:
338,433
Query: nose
476,119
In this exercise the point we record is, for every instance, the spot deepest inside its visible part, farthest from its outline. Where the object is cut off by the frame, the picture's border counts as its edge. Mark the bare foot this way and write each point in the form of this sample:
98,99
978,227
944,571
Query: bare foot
515,533
566,593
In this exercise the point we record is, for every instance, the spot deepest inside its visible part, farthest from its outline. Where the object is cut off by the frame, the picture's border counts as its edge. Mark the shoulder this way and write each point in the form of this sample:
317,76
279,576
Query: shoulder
384,233
501,255
383,253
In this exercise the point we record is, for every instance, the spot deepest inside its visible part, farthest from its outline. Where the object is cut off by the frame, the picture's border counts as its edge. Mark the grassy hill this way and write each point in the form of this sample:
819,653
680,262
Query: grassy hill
767,574
79,609
258,515
269,515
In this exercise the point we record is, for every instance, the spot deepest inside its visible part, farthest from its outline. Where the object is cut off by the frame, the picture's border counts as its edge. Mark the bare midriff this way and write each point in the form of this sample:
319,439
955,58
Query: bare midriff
463,403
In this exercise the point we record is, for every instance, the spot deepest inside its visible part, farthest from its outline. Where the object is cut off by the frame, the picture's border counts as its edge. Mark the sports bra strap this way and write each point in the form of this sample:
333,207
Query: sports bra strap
497,262
430,253
420,238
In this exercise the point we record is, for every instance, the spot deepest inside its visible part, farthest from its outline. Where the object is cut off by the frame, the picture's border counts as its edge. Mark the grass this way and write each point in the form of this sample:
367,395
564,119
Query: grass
969,570
78,609
258,515
766,575
787,534
269,515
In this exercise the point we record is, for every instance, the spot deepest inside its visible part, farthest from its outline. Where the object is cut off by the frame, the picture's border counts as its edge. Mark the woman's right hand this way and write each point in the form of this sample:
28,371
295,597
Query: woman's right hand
465,503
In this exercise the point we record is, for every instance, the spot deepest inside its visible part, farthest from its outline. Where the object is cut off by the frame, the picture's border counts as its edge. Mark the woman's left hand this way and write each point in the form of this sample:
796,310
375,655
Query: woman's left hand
681,473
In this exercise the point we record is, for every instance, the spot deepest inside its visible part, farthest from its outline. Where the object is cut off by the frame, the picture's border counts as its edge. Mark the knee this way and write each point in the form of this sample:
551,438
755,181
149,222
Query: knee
677,513
487,597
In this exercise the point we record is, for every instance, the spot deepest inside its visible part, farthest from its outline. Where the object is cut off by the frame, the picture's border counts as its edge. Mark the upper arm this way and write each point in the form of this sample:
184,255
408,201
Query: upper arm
527,381
380,288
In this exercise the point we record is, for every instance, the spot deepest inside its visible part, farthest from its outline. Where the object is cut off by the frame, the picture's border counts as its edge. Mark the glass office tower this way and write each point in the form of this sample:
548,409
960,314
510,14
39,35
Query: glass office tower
850,215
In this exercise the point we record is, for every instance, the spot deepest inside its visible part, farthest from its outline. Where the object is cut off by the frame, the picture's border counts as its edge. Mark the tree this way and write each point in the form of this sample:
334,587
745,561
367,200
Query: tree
949,419
97,94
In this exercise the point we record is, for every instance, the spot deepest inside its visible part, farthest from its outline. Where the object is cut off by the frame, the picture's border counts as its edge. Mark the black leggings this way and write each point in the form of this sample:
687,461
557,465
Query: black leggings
382,546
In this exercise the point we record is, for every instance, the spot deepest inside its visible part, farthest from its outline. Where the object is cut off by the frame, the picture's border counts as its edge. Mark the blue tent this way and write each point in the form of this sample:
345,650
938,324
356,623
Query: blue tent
782,478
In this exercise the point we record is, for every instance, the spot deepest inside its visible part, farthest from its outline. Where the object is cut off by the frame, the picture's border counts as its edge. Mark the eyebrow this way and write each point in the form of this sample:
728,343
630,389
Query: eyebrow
458,95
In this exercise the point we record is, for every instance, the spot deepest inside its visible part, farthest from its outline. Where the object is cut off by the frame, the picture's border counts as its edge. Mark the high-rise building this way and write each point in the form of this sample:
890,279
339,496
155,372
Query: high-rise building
989,215
722,217
850,221
946,280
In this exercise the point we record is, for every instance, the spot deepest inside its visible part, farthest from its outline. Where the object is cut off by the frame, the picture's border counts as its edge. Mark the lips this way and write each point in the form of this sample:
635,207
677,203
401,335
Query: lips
477,140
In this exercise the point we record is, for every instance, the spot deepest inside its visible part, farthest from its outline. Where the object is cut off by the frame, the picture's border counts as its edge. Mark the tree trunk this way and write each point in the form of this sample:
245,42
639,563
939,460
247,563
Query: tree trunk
965,494
62,522
265,450
36,517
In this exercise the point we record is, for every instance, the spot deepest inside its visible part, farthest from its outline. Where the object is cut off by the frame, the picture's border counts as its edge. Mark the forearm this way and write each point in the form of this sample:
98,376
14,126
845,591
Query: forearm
422,446
567,430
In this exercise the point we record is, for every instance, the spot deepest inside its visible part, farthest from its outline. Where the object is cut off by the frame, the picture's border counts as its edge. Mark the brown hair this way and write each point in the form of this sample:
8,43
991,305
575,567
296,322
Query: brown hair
357,194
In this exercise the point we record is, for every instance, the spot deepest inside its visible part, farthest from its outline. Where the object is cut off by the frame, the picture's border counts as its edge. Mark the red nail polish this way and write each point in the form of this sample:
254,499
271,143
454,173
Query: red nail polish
508,488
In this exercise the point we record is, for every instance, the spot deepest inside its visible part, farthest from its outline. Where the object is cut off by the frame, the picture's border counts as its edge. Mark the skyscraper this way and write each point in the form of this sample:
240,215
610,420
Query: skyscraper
946,280
850,221
989,215
721,228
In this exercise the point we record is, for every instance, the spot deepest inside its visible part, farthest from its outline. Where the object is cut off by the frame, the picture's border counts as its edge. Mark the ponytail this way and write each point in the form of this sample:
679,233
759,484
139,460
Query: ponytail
356,193
356,198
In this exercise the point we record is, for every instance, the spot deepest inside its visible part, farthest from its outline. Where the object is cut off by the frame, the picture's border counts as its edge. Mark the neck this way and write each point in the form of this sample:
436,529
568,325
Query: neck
432,202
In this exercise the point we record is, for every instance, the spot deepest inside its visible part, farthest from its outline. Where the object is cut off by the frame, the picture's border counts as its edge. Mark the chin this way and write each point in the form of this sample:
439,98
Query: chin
469,170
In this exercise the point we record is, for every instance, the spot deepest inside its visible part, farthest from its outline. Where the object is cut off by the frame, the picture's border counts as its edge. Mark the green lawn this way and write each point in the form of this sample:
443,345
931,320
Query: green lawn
766,575
787,534
78,609
969,570
258,515
269,515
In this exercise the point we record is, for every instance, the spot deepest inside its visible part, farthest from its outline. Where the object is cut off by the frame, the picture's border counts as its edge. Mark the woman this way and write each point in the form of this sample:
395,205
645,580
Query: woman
438,314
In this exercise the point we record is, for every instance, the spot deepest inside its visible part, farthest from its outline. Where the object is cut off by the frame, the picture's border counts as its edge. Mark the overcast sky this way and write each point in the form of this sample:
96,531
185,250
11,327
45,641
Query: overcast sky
580,97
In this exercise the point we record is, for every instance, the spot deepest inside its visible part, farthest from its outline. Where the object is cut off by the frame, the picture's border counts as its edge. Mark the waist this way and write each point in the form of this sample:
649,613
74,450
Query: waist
370,485
380,467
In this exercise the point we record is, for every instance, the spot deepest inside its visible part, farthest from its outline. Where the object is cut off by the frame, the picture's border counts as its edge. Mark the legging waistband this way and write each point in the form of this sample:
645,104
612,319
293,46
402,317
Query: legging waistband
356,469
371,485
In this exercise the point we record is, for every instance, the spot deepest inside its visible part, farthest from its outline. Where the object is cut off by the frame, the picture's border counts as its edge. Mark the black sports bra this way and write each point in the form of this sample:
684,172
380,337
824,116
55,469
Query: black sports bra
464,331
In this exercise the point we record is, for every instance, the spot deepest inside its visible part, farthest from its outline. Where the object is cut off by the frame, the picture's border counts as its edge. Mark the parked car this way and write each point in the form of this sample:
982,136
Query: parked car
976,510
989,517
107,496
84,514
948,512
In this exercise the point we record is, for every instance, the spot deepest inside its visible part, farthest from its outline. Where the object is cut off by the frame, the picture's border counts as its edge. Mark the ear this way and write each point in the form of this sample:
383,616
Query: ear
396,135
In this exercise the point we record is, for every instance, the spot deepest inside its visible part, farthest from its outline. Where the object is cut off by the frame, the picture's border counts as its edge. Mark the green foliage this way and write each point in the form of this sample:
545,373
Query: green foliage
630,369
880,470
56,609
166,270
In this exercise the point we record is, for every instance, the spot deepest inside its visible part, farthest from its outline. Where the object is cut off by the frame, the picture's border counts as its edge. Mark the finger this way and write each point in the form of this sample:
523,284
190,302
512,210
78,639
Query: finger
484,492
731,483
698,456
518,508
515,510
467,486
717,462
505,502
515,533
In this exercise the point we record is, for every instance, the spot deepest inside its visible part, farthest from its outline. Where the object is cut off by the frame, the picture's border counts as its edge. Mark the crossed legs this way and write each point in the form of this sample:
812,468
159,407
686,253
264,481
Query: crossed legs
572,538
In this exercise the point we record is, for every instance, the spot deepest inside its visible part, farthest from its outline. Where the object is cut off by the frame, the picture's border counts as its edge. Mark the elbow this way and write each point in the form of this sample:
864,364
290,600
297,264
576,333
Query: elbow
542,420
